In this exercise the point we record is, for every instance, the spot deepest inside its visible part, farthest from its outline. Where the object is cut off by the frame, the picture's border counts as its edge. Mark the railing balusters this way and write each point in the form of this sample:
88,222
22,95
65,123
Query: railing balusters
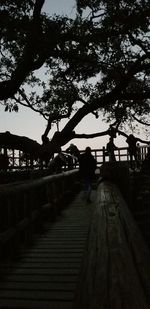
22,207
15,157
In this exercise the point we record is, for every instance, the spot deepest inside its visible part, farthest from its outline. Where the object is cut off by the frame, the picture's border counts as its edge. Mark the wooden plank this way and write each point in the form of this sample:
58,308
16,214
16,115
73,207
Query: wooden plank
70,278
42,286
53,250
64,244
64,235
54,254
37,295
56,259
59,243
40,265
34,304
41,271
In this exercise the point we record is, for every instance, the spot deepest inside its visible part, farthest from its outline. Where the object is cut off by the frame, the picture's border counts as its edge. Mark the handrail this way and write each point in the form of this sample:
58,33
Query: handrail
121,154
115,271
24,205
15,157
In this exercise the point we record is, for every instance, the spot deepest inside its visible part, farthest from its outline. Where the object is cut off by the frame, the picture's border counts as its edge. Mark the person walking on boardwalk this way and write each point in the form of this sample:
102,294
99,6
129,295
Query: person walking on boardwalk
132,149
110,150
87,166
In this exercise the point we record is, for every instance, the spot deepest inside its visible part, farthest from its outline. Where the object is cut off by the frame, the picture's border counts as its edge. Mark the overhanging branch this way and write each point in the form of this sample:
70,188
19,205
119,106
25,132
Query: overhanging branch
140,121
139,139
111,97
87,136
9,87
107,132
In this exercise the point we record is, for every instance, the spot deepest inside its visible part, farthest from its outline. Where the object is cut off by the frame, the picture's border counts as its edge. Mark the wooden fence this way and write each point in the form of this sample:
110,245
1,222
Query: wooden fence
121,154
20,161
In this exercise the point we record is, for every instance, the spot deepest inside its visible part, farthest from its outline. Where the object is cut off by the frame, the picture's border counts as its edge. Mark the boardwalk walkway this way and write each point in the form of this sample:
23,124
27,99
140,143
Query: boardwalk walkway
45,275
85,259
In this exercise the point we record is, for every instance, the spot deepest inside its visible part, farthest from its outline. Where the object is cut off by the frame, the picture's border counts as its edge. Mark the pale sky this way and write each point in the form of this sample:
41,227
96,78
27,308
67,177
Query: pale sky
30,124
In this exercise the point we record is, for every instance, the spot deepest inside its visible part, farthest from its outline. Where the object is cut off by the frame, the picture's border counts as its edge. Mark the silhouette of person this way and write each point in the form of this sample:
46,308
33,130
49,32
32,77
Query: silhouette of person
87,166
138,152
75,153
110,149
132,149
45,158
56,164
73,150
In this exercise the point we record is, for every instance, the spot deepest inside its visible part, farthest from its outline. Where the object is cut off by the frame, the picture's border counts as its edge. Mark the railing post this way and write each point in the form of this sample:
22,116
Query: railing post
103,154
119,155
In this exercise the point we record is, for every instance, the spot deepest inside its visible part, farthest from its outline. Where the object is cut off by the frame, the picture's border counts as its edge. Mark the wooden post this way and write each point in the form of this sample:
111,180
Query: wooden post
103,154
119,154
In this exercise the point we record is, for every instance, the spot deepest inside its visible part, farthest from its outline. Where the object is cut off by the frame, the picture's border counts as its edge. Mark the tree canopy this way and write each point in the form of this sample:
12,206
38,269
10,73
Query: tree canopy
98,62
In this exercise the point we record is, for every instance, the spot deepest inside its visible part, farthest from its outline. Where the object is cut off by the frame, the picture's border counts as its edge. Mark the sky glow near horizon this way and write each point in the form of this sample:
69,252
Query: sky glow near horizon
30,124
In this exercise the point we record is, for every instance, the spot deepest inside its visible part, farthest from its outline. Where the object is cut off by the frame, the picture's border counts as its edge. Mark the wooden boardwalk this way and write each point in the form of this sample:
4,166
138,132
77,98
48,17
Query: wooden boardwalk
85,259
45,275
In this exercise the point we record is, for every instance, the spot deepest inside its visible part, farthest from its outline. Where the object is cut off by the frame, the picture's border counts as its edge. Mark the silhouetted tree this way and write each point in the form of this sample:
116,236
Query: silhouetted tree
96,63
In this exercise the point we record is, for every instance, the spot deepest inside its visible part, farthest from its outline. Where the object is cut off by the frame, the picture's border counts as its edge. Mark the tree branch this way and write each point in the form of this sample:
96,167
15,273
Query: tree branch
107,99
28,104
134,95
87,136
140,121
139,139
9,87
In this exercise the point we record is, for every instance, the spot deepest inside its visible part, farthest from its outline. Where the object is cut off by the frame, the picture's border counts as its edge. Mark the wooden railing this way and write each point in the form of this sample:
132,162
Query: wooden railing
23,206
20,161
115,270
121,154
